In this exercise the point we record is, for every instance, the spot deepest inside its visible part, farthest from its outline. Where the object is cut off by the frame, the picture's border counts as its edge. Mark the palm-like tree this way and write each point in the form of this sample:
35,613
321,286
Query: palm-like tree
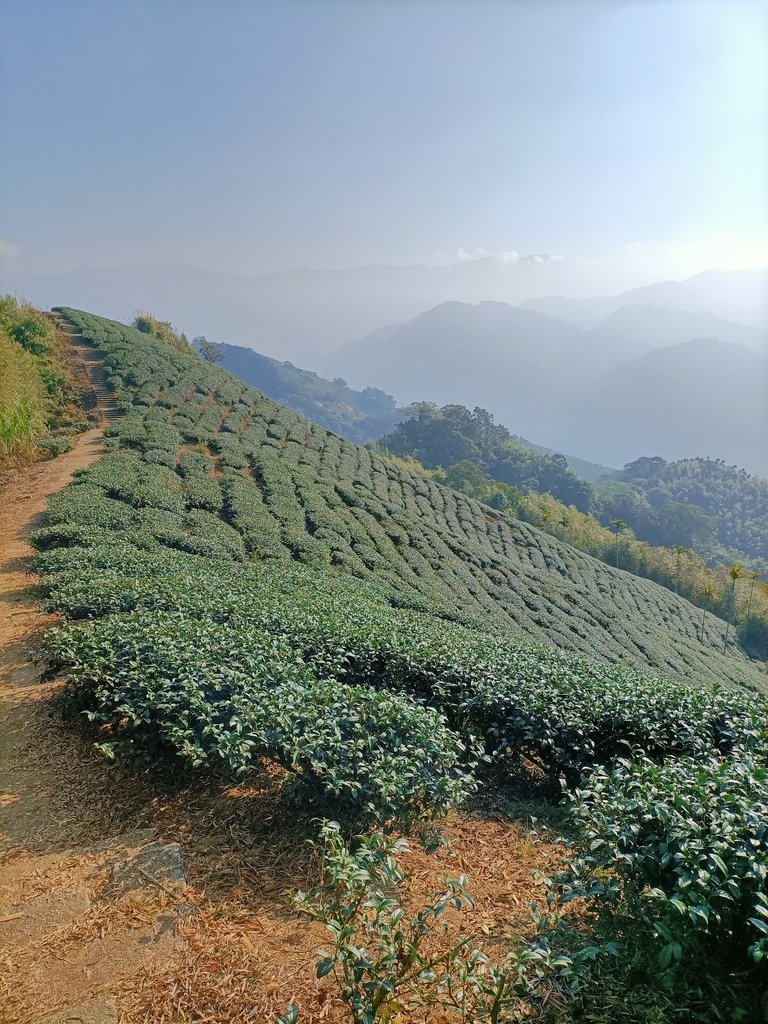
618,526
709,594
736,571
679,550
753,576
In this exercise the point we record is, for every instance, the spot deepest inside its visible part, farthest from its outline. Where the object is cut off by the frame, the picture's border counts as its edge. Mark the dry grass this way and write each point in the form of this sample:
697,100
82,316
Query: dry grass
242,954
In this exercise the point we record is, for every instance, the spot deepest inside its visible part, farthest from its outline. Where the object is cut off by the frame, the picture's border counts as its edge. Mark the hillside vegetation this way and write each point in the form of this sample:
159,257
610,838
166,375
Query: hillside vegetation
355,415
443,437
275,486
735,501
241,585
612,520
40,397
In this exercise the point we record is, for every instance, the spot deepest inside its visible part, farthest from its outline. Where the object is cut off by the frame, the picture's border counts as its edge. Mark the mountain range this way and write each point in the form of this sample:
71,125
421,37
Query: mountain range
611,391
304,315
522,339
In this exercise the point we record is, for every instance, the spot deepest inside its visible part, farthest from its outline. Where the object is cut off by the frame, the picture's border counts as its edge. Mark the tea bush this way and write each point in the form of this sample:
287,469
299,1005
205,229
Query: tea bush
243,585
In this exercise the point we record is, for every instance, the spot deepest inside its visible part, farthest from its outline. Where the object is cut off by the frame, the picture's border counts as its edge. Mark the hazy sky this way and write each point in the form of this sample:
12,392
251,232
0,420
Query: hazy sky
252,136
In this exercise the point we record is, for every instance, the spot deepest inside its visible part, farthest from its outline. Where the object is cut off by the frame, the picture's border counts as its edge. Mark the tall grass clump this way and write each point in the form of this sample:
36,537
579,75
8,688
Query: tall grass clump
162,329
28,326
22,400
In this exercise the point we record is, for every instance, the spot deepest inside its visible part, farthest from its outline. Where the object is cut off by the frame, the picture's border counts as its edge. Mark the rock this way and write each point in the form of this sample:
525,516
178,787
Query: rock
100,1010
157,863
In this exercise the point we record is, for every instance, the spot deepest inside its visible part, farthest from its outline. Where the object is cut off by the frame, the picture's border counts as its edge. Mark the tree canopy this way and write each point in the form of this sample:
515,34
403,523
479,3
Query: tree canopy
443,437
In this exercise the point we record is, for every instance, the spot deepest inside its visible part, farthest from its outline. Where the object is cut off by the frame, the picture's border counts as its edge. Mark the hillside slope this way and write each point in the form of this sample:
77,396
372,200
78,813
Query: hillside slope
735,296
703,397
357,415
226,473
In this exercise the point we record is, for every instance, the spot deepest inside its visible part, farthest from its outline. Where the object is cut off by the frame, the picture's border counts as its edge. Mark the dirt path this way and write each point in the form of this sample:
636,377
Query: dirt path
50,892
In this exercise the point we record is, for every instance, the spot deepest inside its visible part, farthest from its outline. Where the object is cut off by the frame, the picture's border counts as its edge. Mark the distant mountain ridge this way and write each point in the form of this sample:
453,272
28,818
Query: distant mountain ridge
609,394
737,296
305,314
704,396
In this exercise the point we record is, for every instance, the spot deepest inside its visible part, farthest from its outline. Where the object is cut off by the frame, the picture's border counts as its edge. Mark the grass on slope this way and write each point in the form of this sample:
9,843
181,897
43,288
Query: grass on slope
39,394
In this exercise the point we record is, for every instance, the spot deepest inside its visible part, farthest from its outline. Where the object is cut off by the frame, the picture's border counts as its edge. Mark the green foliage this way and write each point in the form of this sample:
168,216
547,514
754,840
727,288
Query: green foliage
214,693
735,503
453,434
22,400
676,859
527,704
28,326
378,953
207,350
162,329
36,395
386,960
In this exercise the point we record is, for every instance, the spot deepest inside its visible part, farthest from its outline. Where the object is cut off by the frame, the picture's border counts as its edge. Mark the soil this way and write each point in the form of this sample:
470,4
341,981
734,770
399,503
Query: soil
206,929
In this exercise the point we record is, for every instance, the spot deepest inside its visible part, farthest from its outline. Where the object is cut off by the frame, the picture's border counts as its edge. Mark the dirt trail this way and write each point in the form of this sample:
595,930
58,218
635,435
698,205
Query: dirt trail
50,893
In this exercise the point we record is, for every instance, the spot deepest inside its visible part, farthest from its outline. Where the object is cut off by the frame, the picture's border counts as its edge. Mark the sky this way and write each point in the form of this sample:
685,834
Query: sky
255,136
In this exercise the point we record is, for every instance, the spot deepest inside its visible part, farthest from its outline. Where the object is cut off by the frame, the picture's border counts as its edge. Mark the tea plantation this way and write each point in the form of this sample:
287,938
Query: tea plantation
240,584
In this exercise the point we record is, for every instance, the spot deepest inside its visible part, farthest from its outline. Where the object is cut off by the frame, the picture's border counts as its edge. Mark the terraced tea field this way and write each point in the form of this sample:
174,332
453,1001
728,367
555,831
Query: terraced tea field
243,589
204,464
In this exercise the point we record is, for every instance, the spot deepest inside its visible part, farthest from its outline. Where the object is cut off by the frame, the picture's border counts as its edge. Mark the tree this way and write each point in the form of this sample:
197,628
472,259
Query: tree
619,527
709,595
207,350
747,624
736,571
679,550
685,524
618,500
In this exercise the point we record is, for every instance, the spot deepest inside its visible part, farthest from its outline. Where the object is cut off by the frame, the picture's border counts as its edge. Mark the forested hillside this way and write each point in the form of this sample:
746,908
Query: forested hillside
443,437
736,501
355,415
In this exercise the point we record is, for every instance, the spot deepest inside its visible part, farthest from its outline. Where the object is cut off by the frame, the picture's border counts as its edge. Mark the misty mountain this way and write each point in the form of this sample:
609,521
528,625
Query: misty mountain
599,392
459,346
656,327
704,397
305,314
737,296
519,364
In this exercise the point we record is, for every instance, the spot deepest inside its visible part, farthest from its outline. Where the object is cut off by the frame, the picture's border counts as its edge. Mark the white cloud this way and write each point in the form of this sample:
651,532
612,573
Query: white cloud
468,255
7,249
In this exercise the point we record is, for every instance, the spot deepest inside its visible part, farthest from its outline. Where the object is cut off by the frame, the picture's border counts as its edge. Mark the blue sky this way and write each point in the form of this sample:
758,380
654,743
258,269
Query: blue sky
253,136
